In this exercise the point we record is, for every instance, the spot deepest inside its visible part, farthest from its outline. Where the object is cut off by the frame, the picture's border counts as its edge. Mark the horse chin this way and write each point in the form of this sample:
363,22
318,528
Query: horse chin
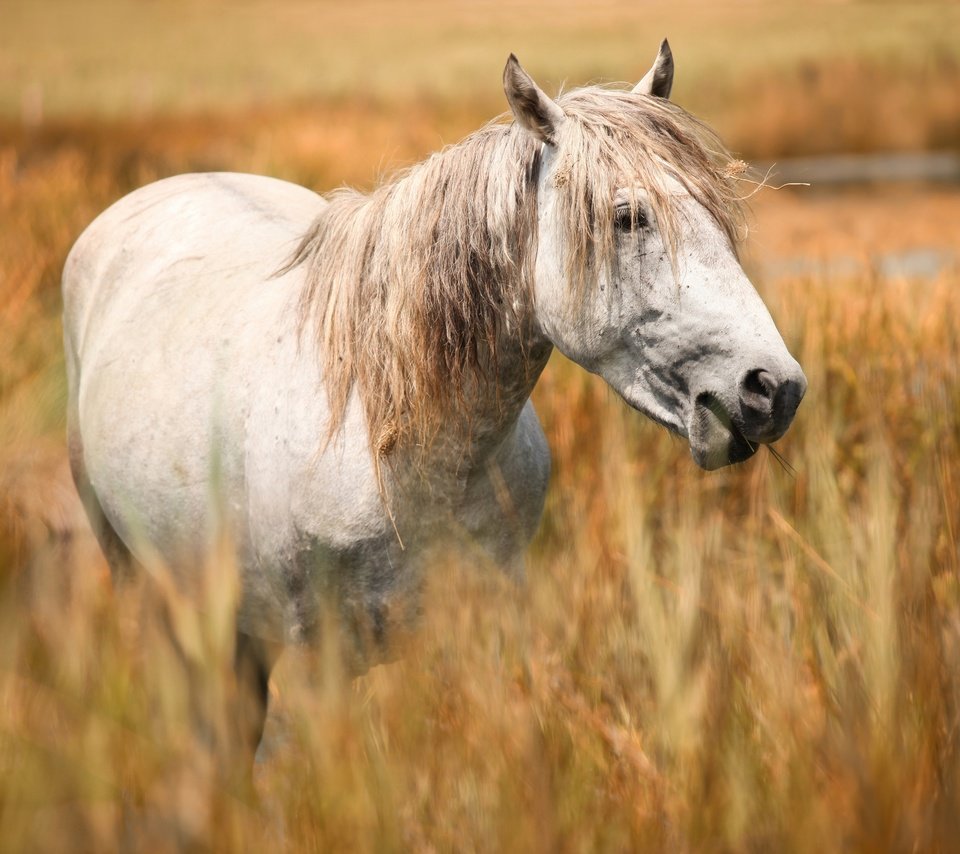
715,441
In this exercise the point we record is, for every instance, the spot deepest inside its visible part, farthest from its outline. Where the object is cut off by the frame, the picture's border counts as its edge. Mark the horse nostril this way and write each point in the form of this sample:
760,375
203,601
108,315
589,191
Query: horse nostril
759,386
768,402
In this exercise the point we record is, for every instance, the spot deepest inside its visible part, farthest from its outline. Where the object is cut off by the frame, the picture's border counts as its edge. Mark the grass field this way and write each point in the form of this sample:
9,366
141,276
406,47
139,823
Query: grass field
750,660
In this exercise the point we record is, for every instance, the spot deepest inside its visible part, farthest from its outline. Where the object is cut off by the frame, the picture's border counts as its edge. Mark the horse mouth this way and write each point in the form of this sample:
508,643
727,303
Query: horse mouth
715,439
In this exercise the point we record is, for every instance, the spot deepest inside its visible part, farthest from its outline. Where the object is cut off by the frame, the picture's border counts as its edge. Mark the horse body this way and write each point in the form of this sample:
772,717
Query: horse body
344,384
187,373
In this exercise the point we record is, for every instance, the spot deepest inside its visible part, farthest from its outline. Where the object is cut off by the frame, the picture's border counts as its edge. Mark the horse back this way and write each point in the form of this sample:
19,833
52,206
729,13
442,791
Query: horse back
176,221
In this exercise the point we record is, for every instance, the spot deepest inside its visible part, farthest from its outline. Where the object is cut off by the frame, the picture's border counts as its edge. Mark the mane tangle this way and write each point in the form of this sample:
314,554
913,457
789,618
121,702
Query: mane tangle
408,289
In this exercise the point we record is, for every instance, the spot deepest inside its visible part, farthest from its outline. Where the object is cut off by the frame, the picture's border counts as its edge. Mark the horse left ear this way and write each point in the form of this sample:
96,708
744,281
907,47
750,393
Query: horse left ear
530,105
658,80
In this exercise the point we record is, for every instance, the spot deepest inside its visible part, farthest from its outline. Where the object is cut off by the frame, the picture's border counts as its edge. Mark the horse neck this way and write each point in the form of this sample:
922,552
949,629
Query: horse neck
499,385
522,354
491,404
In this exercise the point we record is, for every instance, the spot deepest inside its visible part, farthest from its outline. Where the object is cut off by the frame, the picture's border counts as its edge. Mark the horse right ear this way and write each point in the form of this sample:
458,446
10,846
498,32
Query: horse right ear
658,81
530,106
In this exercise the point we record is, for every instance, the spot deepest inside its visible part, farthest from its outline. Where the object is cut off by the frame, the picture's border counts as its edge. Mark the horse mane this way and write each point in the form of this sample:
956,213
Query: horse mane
409,287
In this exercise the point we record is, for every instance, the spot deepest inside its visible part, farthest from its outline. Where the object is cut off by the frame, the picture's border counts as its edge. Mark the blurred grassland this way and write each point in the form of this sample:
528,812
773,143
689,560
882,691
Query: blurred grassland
776,78
117,56
745,660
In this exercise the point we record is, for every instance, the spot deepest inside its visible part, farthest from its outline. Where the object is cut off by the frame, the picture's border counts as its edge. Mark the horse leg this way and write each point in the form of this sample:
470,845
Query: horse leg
254,659
123,565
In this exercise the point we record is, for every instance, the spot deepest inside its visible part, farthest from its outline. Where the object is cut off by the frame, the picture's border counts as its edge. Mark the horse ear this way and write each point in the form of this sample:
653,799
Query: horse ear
659,79
530,106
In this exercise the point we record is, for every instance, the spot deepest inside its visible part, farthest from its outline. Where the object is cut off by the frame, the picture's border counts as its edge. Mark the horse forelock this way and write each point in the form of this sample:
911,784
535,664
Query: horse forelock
408,288
618,140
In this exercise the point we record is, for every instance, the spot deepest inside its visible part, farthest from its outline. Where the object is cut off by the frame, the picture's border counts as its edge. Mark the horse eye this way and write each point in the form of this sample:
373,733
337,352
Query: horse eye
627,220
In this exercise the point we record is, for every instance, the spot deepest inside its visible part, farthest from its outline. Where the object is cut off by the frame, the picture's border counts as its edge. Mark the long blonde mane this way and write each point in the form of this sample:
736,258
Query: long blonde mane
409,288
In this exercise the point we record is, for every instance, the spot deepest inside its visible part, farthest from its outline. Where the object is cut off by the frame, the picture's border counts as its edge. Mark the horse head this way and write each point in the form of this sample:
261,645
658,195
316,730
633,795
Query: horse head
637,276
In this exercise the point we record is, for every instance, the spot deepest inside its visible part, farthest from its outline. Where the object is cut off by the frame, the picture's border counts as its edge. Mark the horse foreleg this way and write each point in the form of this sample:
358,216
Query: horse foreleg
254,659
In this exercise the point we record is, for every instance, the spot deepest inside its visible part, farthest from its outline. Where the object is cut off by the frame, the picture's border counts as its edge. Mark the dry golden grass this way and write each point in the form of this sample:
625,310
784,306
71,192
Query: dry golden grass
744,661
738,661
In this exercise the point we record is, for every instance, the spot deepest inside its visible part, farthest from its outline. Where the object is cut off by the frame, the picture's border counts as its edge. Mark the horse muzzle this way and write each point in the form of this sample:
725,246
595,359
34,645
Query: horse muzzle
766,402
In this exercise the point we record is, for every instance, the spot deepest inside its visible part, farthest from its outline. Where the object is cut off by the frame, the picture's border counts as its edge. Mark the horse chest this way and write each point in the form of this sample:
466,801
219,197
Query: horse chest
346,552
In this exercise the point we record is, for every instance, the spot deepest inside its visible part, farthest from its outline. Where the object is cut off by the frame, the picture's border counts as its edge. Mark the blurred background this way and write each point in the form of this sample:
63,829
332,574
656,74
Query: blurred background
760,658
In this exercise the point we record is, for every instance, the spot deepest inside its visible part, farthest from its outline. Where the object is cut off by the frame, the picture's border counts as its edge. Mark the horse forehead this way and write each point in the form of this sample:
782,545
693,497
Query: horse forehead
670,186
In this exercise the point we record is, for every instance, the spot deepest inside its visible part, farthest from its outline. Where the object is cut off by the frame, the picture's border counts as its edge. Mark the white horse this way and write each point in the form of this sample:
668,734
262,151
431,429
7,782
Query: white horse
353,373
